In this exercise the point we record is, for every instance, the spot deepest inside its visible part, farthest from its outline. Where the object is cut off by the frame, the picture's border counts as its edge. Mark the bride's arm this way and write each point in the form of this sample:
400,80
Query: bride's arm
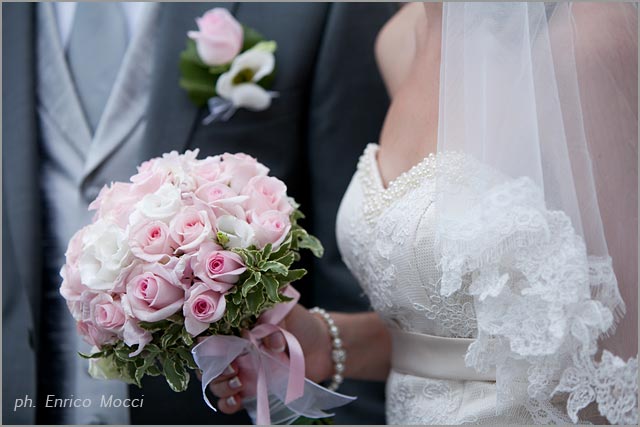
364,337
368,345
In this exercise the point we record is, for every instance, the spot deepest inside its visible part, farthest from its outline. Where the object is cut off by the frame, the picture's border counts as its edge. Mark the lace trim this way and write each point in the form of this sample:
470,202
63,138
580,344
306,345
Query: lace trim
533,284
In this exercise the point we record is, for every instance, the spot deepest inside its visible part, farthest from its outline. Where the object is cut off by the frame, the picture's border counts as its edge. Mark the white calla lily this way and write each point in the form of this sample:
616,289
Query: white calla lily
239,84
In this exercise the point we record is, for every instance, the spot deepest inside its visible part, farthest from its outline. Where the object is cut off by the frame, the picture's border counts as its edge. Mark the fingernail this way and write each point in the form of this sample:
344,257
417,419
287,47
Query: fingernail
231,401
235,383
279,344
229,370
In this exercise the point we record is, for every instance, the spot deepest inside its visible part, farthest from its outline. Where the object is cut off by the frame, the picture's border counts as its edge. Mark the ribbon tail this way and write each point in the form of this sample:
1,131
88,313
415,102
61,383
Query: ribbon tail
264,414
219,109
213,355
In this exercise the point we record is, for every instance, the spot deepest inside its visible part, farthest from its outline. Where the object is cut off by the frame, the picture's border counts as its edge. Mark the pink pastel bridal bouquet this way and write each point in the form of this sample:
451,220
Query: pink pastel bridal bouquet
188,266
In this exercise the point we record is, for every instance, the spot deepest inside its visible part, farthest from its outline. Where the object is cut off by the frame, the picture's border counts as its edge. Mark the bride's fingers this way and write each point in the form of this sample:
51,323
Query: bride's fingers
226,388
230,404
230,372
276,342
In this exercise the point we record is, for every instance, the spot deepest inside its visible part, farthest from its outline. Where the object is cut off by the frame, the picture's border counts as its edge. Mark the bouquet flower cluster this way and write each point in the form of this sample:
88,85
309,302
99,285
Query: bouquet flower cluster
188,248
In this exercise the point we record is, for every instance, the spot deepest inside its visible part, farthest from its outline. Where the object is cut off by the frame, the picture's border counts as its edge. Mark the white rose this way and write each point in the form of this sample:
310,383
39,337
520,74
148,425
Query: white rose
105,256
239,232
161,205
105,368
239,84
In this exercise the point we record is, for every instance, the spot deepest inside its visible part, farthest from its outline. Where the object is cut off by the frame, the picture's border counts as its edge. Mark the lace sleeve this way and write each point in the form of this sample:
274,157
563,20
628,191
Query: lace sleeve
541,302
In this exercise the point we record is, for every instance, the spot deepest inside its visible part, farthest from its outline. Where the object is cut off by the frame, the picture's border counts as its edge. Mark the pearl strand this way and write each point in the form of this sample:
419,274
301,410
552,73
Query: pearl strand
338,353
378,198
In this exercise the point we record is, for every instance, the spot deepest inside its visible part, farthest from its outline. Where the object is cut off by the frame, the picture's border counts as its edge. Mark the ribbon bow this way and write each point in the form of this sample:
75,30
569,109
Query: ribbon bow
278,383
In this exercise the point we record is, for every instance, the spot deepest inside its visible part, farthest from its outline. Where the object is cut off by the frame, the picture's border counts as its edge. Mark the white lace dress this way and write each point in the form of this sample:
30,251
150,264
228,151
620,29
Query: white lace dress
386,237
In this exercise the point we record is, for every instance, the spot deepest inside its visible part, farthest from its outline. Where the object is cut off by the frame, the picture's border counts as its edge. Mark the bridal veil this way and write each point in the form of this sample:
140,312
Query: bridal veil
542,225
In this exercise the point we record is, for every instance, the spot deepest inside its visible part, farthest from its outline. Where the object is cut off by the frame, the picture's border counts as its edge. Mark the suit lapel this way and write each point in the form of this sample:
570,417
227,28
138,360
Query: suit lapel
57,95
21,198
172,116
128,100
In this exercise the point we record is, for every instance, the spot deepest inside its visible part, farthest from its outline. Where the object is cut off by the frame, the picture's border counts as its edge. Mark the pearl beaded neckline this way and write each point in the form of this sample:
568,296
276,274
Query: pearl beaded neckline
377,197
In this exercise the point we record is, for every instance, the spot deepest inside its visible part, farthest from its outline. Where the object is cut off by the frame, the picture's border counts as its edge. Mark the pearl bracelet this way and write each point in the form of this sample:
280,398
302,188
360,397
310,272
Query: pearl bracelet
338,354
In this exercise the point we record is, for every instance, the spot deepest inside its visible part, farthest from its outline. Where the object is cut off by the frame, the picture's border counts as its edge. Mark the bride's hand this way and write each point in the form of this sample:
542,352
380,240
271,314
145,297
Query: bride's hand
313,335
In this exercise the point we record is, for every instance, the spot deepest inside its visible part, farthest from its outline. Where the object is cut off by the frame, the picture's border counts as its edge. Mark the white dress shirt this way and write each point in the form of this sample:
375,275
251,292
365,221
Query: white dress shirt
65,11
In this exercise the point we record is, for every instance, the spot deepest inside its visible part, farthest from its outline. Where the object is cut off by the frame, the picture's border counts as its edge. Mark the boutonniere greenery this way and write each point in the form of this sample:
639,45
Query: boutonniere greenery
227,66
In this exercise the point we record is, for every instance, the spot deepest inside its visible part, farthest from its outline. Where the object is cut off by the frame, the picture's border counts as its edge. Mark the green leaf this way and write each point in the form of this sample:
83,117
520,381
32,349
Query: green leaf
251,38
310,242
266,46
186,338
294,275
232,313
175,374
92,355
154,371
155,326
187,357
250,283
220,69
152,349
171,335
271,285
129,373
142,370
283,249
196,77
296,215
237,298
266,251
255,300
276,267
123,354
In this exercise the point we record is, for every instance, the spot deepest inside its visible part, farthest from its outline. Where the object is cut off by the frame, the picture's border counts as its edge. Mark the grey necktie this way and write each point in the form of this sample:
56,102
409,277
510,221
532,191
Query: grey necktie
97,44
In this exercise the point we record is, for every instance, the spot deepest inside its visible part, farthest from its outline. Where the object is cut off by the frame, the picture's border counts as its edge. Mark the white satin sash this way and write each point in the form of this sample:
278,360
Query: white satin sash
430,356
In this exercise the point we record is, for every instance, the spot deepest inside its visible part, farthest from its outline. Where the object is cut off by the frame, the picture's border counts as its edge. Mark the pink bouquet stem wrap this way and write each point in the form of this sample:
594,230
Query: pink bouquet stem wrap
280,383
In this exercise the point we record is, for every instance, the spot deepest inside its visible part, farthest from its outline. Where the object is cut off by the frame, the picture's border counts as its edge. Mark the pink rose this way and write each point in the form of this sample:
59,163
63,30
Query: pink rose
72,287
107,313
147,181
218,268
210,170
270,227
102,329
267,193
95,335
202,308
220,37
155,294
241,168
221,199
151,242
190,228
115,203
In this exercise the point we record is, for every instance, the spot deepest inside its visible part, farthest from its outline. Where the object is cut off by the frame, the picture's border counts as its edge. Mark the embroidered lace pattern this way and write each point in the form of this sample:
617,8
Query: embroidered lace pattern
505,268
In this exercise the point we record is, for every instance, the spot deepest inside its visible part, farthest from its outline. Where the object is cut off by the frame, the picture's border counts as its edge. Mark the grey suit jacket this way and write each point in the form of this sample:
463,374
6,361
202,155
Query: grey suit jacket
332,102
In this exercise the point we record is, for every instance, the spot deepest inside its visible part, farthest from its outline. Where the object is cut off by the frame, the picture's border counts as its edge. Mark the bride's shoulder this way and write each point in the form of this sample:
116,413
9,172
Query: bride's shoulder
396,45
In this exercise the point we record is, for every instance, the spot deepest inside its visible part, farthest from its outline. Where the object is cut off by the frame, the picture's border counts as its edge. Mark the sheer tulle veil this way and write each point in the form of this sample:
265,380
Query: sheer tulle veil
540,103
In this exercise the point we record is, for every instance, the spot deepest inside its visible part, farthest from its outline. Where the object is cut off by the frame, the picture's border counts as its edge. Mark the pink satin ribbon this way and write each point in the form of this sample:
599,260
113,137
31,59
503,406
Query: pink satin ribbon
267,325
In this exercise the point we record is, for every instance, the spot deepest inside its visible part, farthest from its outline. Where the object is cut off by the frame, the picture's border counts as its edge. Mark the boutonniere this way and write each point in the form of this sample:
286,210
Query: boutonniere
227,66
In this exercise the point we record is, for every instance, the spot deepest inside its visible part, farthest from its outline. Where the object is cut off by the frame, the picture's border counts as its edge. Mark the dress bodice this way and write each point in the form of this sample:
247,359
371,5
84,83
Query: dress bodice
386,237
500,268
